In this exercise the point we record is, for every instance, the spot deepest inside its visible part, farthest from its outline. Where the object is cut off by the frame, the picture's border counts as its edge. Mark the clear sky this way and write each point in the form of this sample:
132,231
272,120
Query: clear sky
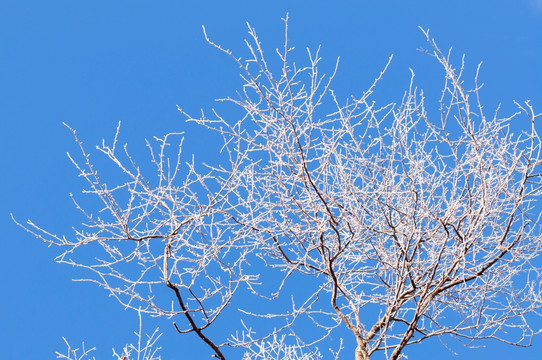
93,63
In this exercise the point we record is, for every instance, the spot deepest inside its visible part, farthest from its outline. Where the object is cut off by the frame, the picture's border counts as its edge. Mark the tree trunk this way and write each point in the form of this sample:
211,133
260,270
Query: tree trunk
361,354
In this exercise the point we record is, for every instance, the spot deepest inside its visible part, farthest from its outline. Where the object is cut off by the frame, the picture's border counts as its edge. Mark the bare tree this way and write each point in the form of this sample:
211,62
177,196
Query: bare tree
394,222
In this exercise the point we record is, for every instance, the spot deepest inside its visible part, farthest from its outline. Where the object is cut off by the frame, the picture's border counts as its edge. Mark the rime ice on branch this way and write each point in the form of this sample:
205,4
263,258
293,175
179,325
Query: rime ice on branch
407,224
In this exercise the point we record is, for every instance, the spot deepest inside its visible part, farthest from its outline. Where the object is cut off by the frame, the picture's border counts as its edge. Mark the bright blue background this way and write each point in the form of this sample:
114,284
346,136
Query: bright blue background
93,63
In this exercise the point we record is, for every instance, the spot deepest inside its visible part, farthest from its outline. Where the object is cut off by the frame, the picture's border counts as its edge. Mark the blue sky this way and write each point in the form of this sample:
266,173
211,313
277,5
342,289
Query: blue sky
93,63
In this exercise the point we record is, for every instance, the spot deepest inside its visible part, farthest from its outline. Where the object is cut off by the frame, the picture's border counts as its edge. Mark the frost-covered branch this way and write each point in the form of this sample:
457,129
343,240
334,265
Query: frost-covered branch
394,222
